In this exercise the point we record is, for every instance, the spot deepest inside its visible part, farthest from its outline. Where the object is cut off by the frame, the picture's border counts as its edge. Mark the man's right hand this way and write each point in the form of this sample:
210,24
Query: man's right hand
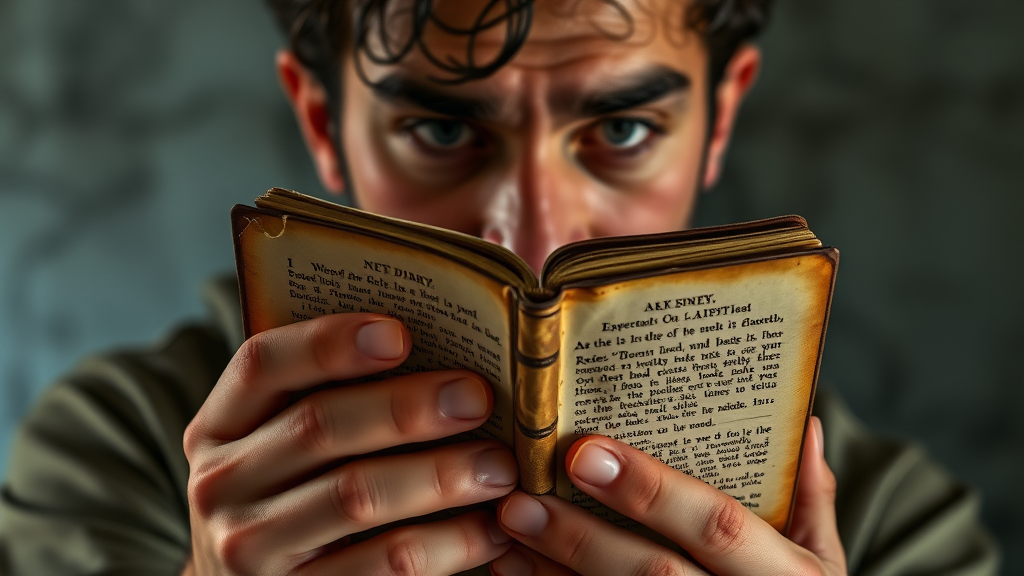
273,488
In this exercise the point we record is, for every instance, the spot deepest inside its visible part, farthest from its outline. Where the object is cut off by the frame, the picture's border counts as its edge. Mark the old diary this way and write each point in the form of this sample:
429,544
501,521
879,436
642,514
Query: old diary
700,347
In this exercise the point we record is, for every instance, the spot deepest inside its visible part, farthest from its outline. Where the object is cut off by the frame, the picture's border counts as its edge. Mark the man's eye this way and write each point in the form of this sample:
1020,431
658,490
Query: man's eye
445,134
624,132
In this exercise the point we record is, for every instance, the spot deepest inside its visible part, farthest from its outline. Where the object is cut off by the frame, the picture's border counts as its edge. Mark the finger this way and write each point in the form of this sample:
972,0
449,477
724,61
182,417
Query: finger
439,548
371,492
814,513
577,539
270,365
713,527
522,561
353,420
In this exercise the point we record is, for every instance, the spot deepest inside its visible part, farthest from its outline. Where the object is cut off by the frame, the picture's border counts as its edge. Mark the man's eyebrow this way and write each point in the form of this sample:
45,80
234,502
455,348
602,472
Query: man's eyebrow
647,86
398,88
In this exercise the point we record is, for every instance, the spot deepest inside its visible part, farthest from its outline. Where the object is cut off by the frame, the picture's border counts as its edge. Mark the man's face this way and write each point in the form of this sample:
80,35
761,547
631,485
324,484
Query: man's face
581,135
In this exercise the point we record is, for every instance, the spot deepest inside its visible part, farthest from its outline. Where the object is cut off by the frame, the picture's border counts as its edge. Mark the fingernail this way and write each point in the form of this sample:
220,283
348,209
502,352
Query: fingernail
496,467
498,536
464,398
819,435
525,515
595,465
512,563
382,340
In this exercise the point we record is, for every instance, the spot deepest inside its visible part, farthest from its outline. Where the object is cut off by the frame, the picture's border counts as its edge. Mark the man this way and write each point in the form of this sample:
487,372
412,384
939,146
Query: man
529,124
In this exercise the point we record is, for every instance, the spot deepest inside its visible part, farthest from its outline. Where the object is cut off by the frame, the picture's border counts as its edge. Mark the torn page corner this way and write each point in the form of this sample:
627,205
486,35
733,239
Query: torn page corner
269,226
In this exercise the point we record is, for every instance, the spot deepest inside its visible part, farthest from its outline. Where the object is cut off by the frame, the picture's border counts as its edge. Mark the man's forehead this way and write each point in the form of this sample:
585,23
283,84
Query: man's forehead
559,31
553,20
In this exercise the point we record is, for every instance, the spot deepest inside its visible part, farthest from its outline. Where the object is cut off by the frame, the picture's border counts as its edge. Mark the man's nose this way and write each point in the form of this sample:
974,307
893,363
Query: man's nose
539,205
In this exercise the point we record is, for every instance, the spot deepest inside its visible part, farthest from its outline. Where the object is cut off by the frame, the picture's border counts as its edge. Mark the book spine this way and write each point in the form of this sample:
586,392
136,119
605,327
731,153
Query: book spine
537,372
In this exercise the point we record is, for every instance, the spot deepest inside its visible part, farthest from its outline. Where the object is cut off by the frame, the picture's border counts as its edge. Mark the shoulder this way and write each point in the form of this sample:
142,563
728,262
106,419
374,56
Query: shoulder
898,511
98,462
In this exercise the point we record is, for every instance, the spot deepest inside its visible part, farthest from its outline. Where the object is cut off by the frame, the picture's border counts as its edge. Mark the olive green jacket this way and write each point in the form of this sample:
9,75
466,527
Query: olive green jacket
97,478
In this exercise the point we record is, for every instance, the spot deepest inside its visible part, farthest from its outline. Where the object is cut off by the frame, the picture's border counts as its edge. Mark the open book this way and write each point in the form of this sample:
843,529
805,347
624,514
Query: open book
700,347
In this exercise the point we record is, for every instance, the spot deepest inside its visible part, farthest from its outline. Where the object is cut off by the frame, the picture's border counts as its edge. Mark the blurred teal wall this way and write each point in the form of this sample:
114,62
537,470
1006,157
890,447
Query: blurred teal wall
128,128
127,131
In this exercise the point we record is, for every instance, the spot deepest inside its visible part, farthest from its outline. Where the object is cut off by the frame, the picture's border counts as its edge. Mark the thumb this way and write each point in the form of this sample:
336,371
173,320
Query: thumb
814,514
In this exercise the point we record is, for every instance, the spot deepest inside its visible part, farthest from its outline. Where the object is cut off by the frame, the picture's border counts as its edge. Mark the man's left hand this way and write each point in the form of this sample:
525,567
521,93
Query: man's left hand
722,536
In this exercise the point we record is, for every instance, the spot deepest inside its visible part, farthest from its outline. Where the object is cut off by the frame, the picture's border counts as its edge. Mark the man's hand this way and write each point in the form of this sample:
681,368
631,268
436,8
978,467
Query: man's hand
721,535
273,489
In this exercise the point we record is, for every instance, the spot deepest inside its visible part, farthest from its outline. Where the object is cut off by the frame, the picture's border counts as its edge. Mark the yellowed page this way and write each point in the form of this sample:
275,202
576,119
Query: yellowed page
458,318
711,371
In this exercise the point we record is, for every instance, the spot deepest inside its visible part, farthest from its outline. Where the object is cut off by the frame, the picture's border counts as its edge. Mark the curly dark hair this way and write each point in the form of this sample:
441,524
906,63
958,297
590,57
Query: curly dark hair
320,31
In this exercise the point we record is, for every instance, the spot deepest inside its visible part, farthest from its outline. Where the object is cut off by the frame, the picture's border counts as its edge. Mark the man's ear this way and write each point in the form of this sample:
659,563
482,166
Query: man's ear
310,102
739,77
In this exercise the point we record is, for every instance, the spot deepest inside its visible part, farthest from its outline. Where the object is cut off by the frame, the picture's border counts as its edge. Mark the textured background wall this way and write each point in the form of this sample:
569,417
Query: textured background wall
128,128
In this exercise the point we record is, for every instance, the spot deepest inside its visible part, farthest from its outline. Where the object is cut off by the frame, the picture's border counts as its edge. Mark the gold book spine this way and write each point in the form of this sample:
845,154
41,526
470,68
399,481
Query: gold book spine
537,371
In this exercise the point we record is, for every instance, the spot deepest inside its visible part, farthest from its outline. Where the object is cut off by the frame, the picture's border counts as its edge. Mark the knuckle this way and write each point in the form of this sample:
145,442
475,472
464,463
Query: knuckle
254,355
723,530
199,496
324,349
191,440
204,486
356,498
649,495
406,556
578,545
311,427
232,544
405,413
661,565
470,543
439,483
